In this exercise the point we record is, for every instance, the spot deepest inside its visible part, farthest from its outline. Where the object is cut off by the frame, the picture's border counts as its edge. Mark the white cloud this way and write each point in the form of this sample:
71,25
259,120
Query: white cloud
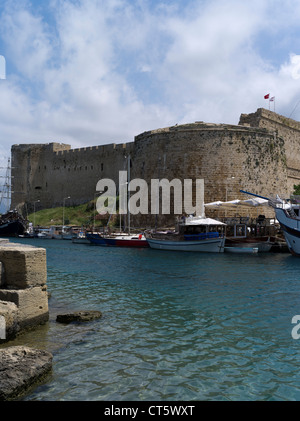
26,39
95,72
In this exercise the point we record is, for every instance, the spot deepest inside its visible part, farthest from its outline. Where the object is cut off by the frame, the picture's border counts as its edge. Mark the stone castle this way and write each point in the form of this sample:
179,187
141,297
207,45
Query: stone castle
260,155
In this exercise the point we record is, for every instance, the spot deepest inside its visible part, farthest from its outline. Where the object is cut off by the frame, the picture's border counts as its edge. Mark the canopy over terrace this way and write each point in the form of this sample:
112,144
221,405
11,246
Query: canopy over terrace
236,204
250,208
197,220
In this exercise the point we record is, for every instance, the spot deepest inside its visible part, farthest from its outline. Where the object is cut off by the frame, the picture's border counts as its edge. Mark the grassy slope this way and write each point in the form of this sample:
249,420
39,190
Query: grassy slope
82,215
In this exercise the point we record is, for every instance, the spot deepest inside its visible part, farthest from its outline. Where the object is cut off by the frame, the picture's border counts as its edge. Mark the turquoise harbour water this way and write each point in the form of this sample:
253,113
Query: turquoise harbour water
175,326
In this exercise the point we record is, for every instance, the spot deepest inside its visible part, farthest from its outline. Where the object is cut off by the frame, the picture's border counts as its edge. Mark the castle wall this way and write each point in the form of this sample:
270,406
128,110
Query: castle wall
260,155
52,172
228,158
286,128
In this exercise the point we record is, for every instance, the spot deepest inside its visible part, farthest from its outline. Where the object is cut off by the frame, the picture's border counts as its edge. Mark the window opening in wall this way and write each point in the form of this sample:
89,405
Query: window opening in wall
101,167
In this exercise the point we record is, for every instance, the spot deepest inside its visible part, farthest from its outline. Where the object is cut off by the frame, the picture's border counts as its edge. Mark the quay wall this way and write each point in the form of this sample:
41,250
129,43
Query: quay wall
260,154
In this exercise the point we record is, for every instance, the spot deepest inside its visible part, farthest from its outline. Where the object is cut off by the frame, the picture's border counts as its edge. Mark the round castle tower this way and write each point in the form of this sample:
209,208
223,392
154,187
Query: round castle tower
259,155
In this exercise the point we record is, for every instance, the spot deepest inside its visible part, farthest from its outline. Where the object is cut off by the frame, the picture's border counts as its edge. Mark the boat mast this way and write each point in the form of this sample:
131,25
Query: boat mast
6,187
128,193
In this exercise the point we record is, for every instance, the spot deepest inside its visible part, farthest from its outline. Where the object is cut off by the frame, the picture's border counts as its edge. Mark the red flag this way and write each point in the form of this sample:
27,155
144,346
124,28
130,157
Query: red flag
267,96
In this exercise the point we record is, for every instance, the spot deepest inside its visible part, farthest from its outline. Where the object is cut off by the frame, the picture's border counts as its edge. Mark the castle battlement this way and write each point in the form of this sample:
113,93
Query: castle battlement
261,154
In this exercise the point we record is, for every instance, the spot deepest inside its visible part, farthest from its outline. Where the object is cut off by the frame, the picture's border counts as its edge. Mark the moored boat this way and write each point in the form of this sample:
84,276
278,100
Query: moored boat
137,240
12,224
95,238
194,234
80,238
235,249
262,244
288,215
44,234
246,231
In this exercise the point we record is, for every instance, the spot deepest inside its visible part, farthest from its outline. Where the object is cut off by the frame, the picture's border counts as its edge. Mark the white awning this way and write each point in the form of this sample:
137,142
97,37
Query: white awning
234,204
195,220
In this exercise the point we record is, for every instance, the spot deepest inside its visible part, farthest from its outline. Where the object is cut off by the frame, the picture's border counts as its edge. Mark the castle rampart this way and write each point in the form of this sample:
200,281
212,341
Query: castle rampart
286,128
45,175
260,155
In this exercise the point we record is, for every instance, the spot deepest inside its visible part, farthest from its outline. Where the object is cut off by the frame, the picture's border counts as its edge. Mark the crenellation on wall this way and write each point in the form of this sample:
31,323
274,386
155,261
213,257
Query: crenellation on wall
260,155
289,132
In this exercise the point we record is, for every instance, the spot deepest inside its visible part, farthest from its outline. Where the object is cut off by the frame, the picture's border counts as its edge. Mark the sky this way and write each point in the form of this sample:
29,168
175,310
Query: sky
92,72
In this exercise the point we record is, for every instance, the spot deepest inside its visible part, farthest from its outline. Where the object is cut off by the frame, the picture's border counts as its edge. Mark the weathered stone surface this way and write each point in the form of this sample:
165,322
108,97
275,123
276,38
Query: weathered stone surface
20,369
23,290
2,279
32,304
78,316
24,266
262,153
9,312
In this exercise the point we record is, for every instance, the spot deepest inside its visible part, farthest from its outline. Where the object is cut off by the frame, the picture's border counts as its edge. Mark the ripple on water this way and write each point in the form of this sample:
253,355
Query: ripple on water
174,327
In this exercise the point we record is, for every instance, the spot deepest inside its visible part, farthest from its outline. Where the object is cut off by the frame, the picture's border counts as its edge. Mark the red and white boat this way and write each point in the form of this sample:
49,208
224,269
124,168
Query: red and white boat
127,240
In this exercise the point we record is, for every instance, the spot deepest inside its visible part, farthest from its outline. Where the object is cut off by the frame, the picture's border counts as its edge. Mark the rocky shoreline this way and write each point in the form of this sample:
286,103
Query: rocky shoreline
23,307
22,368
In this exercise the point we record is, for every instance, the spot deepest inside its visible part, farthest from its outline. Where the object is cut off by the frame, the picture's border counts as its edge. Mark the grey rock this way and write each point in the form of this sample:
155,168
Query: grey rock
21,368
78,316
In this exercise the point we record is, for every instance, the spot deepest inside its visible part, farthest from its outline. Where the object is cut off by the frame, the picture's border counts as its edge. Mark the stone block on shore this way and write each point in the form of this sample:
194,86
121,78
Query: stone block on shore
23,287
25,266
8,320
32,305
21,368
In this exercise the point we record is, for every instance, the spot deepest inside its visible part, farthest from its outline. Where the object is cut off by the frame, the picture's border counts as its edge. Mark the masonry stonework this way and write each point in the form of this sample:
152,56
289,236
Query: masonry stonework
261,154
23,288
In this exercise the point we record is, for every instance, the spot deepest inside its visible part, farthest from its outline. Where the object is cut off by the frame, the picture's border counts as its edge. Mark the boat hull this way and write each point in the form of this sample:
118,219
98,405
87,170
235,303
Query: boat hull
80,241
214,245
262,244
127,242
291,230
96,239
12,229
247,250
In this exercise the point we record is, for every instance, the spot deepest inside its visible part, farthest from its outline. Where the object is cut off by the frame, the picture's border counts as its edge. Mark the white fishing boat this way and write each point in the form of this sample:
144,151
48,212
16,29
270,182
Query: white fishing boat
288,215
80,238
194,234
44,234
